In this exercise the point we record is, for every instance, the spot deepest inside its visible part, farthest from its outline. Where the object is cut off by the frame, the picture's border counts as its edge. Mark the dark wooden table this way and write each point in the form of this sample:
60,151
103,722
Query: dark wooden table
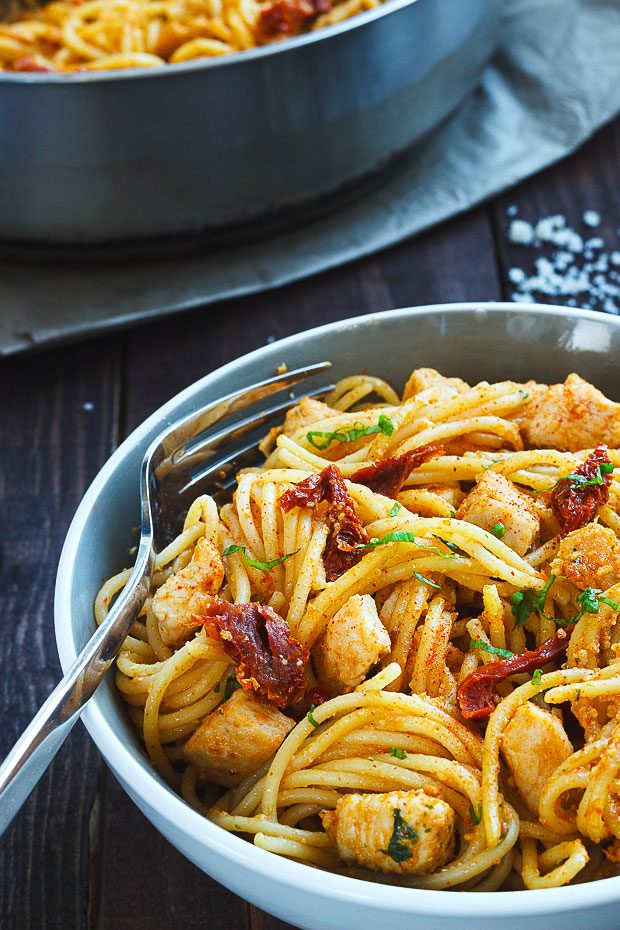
80,854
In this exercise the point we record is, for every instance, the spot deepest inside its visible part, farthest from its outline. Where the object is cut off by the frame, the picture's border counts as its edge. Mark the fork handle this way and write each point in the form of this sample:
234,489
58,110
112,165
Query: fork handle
34,750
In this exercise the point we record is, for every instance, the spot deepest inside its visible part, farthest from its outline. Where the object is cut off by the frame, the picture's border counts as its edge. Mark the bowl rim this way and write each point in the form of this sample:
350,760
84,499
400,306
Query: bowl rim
155,794
207,64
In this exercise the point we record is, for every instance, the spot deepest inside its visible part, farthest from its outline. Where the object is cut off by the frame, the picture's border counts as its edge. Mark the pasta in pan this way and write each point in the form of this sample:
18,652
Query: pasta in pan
87,35
395,652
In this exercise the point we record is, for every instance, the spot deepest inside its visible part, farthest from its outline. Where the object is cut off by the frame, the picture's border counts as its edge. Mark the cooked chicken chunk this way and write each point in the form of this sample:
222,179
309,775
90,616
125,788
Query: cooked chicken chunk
304,414
421,379
533,745
590,557
354,641
401,831
185,594
494,500
570,416
450,493
236,739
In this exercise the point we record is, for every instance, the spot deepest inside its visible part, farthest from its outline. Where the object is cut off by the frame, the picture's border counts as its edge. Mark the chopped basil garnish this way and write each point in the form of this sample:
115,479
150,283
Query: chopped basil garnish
590,600
401,536
536,677
498,530
452,514
255,563
580,481
402,834
398,753
524,395
452,546
395,509
523,603
487,647
475,816
322,440
231,685
310,716
426,580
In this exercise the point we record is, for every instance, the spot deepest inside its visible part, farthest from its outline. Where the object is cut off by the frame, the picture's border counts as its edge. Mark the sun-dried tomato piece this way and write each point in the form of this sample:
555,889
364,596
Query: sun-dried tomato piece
388,476
346,530
269,661
289,17
576,498
475,693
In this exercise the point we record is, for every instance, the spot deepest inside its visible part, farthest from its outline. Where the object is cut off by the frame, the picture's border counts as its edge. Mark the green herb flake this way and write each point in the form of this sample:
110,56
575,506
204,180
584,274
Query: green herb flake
403,835
523,603
498,530
453,514
231,685
256,563
322,440
537,676
524,395
578,693
426,580
310,716
487,647
395,509
475,816
401,536
398,753
590,599
451,546
575,480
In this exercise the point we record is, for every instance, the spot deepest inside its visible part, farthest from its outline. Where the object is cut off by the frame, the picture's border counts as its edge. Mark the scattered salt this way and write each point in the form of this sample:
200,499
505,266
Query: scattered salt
271,339
591,218
580,273
88,406
553,229
512,210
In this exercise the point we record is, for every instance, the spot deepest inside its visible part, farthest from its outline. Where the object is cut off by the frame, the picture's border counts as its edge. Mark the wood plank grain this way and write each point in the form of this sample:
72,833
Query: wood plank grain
588,180
57,426
153,885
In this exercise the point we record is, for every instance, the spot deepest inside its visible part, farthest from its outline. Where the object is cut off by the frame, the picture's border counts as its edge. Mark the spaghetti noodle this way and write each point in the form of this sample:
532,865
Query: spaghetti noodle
92,35
405,673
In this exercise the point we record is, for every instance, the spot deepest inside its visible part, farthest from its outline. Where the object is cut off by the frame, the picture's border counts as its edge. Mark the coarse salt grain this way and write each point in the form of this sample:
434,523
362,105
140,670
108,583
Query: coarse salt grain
521,232
591,218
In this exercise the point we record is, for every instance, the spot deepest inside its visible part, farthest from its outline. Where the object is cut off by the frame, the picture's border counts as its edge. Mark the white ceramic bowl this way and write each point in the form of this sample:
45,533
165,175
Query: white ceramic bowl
475,341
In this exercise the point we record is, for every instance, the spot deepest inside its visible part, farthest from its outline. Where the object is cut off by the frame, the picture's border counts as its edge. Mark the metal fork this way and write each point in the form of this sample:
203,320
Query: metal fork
180,463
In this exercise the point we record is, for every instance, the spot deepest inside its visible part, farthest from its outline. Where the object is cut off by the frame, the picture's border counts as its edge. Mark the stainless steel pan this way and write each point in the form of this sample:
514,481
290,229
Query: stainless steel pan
112,156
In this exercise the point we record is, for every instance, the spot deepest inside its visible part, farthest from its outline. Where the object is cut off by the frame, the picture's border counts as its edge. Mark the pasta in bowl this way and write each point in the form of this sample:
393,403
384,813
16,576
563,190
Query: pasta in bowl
393,653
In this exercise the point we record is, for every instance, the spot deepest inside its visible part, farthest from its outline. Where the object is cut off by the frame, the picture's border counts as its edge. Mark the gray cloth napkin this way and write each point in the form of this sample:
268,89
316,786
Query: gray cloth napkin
553,82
